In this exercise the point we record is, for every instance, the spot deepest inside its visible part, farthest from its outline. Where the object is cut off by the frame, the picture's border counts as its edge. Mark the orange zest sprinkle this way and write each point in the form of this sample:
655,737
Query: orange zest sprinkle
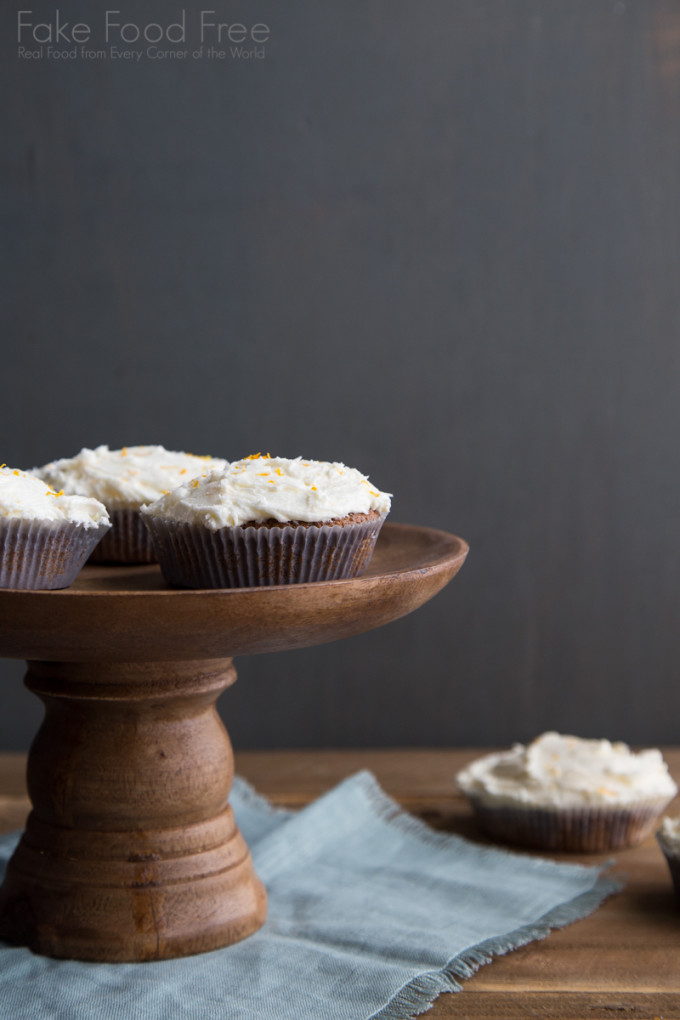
373,493
271,482
2,466
16,471
123,452
52,493
183,471
269,456
279,472
253,456
314,488
195,483
262,474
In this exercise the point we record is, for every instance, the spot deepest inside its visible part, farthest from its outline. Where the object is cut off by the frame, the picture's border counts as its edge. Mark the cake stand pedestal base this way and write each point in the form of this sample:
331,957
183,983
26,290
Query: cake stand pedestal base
131,851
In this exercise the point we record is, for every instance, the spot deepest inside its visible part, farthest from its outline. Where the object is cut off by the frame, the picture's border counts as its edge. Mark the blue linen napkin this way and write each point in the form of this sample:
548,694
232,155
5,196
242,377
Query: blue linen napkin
371,915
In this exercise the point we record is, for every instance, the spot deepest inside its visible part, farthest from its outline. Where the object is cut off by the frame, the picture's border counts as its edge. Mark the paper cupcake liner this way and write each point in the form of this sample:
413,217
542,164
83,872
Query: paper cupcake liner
192,556
128,541
581,830
44,554
672,855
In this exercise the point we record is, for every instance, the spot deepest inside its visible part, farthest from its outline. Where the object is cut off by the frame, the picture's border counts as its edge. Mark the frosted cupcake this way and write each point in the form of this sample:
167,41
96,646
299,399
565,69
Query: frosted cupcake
124,480
668,838
565,793
267,520
45,536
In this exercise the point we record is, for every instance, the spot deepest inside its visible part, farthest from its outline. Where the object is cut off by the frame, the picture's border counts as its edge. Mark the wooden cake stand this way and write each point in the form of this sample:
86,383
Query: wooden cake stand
131,851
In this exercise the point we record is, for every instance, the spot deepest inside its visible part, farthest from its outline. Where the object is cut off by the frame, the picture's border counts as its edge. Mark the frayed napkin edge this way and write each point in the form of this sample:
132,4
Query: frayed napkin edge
419,994
254,799
392,813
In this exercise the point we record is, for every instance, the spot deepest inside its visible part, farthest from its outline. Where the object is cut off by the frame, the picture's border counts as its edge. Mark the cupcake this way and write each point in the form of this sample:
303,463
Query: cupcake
668,838
124,480
45,536
267,520
565,793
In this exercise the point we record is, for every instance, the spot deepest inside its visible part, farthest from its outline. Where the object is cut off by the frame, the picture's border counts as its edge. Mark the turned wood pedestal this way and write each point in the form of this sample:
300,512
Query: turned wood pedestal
621,962
131,851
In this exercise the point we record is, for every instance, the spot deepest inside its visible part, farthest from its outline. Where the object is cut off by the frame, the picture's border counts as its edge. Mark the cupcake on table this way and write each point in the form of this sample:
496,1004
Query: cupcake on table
124,480
267,520
567,793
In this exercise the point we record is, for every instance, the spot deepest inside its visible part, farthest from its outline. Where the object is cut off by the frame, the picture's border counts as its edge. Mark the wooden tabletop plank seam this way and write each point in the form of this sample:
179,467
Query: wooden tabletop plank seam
623,960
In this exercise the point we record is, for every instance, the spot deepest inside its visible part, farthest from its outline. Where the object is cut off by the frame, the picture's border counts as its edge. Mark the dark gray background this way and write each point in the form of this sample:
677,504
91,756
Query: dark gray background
436,239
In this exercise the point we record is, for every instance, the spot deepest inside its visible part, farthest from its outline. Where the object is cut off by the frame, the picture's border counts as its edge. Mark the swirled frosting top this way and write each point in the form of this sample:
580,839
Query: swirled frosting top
26,497
125,479
272,488
564,771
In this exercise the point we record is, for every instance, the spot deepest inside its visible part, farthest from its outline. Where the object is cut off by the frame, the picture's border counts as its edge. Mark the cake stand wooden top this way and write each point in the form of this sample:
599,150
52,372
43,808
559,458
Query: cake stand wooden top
121,613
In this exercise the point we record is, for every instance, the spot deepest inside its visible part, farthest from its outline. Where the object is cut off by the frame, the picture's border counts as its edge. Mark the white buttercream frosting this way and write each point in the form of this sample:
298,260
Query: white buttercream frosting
125,479
564,771
272,488
669,833
26,497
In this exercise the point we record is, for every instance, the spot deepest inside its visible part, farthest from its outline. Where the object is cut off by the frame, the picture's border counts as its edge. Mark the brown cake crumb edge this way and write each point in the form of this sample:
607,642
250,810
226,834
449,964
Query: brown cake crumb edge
343,522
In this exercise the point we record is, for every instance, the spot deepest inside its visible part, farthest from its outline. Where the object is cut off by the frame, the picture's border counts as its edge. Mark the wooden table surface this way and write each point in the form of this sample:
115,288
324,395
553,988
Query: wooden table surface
621,962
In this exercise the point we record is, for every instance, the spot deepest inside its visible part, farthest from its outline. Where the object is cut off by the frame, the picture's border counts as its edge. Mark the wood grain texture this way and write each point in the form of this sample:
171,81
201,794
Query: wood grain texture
131,851
622,961
522,1005
130,614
